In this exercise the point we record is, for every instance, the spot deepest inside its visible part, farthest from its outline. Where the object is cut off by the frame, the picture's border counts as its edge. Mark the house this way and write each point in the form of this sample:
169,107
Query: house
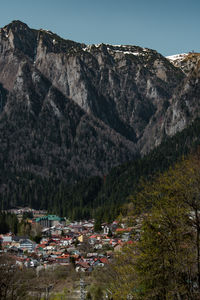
27,245
76,228
66,241
63,259
126,236
104,260
17,239
34,263
80,238
105,228
82,266
92,255
88,225
92,240
98,246
98,263
6,238
14,250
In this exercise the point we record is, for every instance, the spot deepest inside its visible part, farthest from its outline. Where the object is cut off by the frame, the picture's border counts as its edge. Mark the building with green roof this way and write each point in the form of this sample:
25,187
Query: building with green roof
50,220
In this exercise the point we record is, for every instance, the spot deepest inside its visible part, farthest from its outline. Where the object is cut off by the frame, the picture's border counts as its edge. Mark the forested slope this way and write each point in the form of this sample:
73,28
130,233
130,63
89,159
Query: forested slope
100,197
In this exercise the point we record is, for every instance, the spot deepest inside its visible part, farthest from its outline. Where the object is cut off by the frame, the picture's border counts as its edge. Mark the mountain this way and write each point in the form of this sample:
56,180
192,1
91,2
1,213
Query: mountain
42,130
70,110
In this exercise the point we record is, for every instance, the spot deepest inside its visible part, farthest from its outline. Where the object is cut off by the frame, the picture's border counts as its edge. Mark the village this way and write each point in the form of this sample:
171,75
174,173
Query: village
63,243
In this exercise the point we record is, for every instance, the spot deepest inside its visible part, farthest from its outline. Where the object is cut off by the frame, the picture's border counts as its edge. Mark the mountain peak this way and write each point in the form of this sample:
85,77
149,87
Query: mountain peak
16,25
18,36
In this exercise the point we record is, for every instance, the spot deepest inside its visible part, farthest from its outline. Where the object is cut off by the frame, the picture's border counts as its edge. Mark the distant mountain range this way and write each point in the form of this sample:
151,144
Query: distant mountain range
70,110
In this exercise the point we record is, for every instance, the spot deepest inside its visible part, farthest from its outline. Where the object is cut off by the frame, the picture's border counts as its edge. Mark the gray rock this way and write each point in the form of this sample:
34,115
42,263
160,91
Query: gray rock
72,110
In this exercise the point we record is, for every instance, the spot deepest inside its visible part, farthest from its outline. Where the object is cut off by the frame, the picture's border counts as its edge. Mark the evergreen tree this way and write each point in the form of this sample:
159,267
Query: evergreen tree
97,225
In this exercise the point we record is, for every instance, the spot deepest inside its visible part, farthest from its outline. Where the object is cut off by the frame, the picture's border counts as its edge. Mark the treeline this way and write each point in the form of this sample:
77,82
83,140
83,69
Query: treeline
10,223
101,198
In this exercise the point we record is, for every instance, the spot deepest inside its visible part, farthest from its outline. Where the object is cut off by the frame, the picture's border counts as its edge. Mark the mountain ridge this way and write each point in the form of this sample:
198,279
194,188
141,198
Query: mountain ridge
71,110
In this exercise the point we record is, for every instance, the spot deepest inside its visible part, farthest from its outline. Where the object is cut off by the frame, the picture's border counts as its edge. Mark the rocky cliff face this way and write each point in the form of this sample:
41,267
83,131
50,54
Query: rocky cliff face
72,110
185,103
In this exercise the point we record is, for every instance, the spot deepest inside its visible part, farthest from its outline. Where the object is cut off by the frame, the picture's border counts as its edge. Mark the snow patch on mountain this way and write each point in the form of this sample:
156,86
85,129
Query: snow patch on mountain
177,57
47,31
125,49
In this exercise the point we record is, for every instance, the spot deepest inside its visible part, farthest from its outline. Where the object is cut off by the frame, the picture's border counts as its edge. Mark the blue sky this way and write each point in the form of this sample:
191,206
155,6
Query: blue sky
168,26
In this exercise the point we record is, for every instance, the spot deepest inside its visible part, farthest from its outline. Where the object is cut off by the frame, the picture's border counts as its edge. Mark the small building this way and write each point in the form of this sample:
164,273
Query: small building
14,250
6,238
80,238
27,245
105,228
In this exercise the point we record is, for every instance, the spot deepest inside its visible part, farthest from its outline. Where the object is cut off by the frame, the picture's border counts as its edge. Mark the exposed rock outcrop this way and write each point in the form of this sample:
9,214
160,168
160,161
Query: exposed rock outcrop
75,110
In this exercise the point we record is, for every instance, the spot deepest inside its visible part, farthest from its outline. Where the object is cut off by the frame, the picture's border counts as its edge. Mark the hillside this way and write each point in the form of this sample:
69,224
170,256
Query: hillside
96,196
69,111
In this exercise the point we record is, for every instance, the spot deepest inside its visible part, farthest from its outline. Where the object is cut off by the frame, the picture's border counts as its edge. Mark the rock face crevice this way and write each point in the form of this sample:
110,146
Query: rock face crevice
75,110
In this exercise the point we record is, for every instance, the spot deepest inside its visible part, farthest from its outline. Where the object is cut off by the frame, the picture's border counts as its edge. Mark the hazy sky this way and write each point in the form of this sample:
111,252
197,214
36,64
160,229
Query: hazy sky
168,26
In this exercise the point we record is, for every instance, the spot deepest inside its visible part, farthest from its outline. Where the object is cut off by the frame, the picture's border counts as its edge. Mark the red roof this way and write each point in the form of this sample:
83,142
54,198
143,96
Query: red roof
104,260
130,242
41,246
83,264
44,242
124,229
93,236
120,230
62,257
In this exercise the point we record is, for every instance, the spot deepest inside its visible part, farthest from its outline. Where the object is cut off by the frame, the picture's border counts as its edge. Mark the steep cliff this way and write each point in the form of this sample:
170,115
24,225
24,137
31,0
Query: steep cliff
73,110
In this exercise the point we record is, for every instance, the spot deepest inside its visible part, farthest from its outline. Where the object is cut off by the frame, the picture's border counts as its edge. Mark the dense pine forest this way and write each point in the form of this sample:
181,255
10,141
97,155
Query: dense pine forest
98,197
